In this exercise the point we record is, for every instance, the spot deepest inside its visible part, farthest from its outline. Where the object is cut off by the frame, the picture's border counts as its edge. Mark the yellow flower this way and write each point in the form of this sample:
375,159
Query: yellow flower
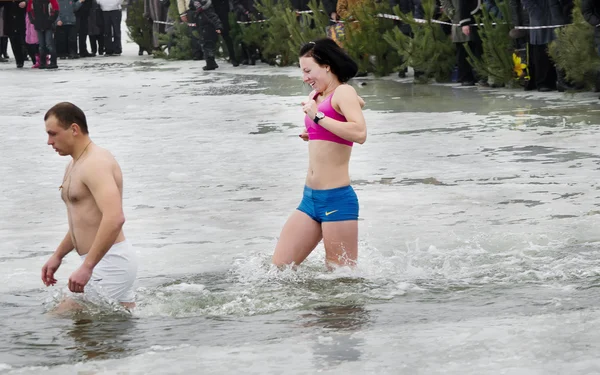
519,66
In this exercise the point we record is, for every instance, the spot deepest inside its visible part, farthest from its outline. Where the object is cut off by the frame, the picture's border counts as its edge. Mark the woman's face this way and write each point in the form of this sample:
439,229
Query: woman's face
314,74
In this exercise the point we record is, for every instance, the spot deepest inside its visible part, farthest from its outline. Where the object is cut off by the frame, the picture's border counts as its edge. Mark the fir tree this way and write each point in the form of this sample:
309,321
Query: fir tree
574,51
176,44
497,59
275,47
429,51
306,26
139,28
363,39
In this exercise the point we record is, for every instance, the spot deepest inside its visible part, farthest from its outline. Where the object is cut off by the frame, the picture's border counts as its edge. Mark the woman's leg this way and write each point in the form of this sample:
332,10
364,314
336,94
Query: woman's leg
341,242
299,237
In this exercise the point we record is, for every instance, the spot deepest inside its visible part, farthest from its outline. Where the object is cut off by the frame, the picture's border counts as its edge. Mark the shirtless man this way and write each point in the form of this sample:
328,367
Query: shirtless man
92,190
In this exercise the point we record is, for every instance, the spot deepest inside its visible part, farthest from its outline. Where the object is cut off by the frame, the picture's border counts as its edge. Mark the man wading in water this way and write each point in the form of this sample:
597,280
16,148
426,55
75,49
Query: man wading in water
92,190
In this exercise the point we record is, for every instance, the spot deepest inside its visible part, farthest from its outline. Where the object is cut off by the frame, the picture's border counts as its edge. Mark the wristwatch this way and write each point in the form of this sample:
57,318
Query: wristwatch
318,116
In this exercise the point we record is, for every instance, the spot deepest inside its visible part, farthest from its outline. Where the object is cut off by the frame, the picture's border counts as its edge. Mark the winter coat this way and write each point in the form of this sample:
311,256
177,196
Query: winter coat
95,19
543,13
14,18
452,10
67,11
243,10
591,13
204,8
43,13
31,36
467,9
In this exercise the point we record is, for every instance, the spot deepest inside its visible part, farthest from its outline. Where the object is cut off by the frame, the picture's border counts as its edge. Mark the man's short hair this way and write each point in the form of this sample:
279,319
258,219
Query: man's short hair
68,113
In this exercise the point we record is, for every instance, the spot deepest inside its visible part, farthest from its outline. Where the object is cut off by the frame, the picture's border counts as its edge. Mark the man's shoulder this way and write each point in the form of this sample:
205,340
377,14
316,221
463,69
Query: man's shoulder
100,159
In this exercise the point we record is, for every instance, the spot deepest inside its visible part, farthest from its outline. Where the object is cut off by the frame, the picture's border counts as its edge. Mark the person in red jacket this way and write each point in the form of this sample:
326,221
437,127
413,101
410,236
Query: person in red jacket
43,15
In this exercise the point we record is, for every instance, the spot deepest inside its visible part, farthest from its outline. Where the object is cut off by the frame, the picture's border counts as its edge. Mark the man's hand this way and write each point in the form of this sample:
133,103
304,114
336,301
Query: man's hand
49,270
79,279
22,4
59,23
218,31
184,18
466,30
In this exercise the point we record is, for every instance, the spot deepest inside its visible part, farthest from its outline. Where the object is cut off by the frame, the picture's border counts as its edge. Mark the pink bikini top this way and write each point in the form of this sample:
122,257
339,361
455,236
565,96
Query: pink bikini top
317,132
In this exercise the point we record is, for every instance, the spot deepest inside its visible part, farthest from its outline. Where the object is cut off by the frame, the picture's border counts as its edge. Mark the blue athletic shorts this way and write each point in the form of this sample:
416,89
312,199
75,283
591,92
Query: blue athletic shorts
339,204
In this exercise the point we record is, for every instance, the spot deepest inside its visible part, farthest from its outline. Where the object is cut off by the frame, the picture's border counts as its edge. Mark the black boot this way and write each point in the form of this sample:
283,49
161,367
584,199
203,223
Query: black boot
140,51
53,64
211,64
43,61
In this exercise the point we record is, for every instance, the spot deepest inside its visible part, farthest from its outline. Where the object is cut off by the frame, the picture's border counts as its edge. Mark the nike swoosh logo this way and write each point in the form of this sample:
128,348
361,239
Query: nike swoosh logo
327,213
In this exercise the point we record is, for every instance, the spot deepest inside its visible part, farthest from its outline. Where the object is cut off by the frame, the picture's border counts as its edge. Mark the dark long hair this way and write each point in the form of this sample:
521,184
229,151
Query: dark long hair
326,52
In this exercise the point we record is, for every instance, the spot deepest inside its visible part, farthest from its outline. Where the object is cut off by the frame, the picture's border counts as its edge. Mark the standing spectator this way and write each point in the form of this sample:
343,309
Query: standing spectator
209,26
222,10
43,15
31,41
111,15
14,28
96,29
66,31
541,67
154,10
82,17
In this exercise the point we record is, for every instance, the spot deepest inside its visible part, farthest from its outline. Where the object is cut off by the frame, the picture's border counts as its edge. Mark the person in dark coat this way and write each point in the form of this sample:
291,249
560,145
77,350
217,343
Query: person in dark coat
82,16
467,10
66,30
96,29
14,27
222,10
541,67
209,26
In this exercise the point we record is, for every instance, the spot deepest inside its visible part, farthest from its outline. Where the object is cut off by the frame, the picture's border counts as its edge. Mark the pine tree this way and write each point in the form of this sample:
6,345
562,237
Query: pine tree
274,47
176,44
574,51
306,26
497,58
139,29
363,39
429,51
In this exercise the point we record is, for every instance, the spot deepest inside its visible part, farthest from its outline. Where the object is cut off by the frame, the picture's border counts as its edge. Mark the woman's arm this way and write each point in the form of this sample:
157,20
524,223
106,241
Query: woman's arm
350,105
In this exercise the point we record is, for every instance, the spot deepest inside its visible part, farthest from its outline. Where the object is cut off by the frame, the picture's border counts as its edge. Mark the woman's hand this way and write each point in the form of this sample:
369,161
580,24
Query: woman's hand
304,136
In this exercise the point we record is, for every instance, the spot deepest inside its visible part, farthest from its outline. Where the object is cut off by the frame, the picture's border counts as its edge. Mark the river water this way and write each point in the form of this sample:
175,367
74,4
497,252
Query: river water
478,231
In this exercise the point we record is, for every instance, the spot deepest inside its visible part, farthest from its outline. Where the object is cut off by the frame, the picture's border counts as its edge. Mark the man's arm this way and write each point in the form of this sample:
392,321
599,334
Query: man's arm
101,182
51,266
65,247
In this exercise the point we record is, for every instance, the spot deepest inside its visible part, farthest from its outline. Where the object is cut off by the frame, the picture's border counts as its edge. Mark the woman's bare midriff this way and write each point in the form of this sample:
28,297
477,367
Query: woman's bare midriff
328,165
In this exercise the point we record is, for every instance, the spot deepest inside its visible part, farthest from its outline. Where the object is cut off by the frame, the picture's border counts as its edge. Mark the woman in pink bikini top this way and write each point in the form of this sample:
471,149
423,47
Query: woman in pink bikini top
333,122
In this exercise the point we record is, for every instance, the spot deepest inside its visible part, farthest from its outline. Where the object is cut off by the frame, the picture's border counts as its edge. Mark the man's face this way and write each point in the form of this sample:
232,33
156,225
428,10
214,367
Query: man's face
59,138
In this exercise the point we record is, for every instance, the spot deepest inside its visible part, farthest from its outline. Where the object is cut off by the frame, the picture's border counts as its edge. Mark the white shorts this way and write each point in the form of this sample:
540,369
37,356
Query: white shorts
114,276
